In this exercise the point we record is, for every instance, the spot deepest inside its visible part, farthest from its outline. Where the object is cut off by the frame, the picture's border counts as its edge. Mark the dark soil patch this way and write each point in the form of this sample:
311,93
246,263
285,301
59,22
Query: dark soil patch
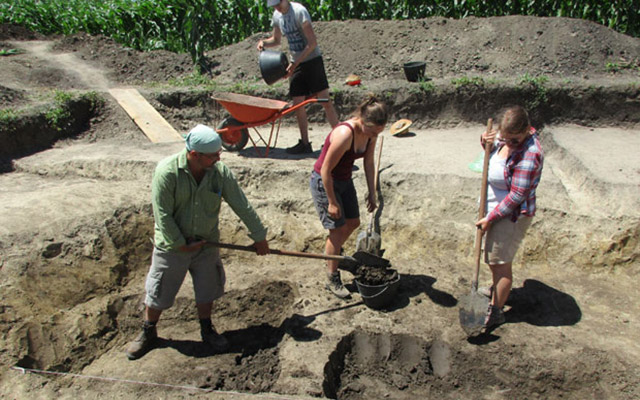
369,365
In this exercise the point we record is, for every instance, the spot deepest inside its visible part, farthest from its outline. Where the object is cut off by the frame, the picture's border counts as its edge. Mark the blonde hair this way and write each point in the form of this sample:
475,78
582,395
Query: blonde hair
372,112
515,120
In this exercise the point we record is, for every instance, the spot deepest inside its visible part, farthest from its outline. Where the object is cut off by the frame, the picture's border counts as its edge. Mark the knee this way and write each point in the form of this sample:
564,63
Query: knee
353,223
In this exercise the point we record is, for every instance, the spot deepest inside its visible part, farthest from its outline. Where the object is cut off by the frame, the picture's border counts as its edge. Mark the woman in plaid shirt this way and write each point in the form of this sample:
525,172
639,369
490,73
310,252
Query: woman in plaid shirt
515,167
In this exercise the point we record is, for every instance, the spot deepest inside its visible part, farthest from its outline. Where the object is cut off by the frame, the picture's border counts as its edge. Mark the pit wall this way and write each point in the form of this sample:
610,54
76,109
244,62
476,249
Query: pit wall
446,105
39,128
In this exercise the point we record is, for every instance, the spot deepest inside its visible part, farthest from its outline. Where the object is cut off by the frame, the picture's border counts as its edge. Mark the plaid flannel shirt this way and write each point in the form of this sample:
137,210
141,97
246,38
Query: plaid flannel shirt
522,173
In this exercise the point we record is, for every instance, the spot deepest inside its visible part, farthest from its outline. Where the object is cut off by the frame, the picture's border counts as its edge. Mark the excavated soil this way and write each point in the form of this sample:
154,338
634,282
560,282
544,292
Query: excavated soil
76,221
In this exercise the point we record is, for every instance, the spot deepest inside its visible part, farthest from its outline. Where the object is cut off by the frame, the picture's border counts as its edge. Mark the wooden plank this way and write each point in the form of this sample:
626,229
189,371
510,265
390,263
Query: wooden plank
154,126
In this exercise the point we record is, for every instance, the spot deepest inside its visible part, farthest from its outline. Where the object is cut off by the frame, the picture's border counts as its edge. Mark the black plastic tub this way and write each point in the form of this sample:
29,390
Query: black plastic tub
273,65
414,70
379,296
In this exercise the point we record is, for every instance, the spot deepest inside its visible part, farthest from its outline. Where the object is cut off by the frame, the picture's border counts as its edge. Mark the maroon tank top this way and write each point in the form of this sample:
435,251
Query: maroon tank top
344,168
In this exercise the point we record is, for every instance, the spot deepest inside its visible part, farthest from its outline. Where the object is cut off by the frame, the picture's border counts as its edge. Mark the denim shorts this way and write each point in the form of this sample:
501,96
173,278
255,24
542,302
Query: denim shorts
503,240
345,194
169,268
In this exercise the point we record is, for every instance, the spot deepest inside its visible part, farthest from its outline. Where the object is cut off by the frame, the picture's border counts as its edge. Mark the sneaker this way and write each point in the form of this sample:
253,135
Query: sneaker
300,148
495,317
145,341
486,291
218,342
336,287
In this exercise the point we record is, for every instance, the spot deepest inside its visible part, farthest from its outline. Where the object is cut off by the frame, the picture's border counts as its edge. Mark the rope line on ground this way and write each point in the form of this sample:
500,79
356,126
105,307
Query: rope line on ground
167,385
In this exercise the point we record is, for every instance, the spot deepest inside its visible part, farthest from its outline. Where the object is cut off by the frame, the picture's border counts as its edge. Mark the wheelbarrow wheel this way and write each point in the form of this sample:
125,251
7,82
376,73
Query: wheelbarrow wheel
234,140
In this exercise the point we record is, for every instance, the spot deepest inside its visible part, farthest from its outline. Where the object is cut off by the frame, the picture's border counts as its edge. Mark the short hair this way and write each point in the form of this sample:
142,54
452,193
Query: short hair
514,120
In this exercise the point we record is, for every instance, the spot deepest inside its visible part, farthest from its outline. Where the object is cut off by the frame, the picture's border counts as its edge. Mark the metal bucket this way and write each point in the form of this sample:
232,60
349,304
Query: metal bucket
273,65
379,296
414,70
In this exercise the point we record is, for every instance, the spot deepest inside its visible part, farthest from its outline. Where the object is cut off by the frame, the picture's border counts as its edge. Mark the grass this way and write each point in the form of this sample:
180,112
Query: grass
538,85
477,81
617,67
426,85
8,116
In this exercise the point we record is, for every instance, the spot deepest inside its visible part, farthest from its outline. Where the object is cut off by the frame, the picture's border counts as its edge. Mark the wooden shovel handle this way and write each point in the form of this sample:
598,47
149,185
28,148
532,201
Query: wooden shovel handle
483,204
281,252
375,183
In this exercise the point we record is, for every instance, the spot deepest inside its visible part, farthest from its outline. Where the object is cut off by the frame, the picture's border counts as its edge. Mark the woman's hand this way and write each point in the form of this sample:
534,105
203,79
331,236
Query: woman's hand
483,224
334,211
489,137
371,202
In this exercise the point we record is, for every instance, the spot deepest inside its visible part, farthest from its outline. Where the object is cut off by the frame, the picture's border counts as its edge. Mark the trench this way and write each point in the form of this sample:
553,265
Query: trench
74,295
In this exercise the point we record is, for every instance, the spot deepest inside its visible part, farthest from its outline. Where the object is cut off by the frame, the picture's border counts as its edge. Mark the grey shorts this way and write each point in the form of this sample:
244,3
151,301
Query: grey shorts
503,240
345,194
168,270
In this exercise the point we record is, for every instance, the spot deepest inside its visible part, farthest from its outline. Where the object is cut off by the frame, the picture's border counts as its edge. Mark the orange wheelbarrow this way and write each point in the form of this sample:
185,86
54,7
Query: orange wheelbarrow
250,112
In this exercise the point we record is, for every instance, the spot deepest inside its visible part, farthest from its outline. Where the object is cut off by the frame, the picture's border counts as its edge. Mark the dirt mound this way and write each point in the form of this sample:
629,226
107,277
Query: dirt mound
499,48
76,221
126,65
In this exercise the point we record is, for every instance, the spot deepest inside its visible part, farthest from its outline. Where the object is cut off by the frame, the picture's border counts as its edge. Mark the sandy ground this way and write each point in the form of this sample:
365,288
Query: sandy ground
75,223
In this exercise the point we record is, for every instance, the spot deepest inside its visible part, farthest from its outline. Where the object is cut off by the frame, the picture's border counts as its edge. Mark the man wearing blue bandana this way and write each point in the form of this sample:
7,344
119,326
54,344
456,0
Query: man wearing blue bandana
187,192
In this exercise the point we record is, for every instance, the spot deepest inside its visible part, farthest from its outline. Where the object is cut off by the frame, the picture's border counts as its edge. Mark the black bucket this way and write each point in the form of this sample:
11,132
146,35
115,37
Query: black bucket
379,296
273,65
414,70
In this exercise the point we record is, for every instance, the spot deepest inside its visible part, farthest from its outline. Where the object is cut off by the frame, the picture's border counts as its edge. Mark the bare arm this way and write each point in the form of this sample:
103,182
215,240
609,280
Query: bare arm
339,144
272,41
312,43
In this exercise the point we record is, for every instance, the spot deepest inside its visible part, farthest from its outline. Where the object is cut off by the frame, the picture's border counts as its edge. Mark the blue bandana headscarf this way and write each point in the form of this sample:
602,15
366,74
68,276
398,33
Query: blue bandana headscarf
203,140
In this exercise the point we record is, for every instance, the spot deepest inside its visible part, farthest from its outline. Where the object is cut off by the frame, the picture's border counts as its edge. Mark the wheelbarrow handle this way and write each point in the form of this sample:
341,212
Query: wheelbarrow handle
290,107
284,252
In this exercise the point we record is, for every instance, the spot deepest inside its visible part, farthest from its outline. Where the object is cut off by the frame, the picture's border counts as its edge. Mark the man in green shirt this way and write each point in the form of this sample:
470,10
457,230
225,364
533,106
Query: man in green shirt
187,191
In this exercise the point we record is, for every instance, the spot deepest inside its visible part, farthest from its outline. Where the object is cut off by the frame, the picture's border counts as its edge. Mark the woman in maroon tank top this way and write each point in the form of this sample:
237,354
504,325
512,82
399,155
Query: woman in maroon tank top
334,194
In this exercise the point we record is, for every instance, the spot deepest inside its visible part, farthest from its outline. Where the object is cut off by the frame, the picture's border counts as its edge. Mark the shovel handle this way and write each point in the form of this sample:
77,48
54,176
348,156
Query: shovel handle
483,204
282,252
375,183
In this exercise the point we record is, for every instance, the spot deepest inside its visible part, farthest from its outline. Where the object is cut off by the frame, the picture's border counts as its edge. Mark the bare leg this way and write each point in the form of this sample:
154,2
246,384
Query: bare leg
151,314
336,239
303,123
330,111
502,282
204,310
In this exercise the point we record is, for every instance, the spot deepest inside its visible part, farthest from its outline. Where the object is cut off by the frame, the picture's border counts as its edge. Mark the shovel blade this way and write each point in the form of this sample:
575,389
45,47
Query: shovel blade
368,242
473,311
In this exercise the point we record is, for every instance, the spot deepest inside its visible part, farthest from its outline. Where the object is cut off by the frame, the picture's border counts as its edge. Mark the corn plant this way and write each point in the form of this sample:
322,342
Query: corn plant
195,26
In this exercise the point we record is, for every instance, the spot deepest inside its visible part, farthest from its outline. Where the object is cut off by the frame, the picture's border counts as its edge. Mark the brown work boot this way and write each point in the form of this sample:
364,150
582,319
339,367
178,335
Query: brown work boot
336,287
145,341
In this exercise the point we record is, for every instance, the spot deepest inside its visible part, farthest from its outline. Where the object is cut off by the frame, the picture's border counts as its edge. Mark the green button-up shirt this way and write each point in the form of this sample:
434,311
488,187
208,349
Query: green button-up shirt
182,208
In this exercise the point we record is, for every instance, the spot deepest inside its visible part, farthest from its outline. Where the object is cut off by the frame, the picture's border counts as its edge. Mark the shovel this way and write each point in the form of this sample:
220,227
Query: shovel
473,309
369,240
346,263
